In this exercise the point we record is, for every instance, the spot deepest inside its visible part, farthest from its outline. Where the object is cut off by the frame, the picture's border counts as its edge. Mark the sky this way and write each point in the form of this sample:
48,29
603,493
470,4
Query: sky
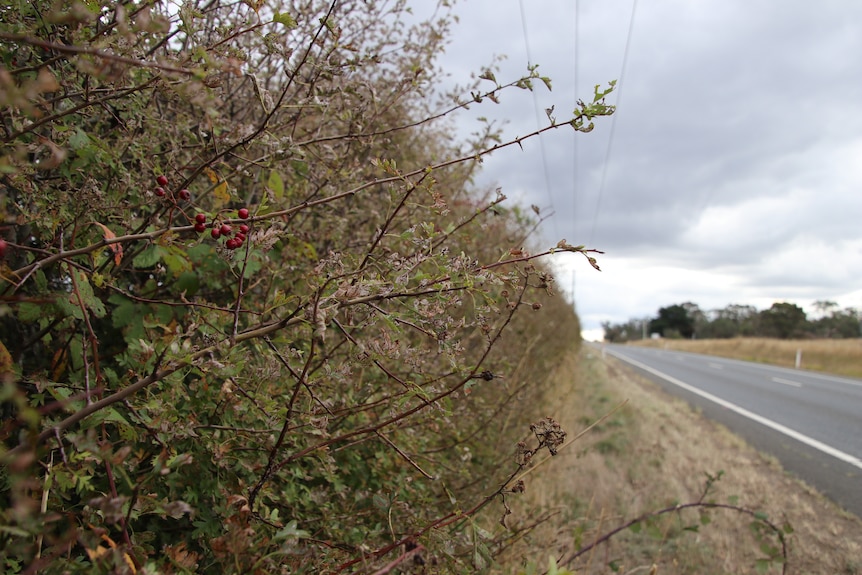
731,172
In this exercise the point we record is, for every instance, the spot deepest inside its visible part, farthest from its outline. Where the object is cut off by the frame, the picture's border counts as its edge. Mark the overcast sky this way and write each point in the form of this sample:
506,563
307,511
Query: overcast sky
732,170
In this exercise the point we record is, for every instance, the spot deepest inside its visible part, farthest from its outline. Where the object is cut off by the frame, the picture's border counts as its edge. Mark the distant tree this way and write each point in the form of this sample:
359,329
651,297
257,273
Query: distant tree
673,321
719,327
844,323
623,332
731,321
698,317
614,333
825,307
783,320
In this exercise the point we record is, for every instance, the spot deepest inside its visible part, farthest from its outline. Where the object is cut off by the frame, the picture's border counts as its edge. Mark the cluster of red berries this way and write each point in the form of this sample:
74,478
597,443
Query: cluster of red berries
160,191
225,230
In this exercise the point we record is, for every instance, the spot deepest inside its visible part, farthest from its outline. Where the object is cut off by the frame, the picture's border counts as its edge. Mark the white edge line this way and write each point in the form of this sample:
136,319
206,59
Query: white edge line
827,449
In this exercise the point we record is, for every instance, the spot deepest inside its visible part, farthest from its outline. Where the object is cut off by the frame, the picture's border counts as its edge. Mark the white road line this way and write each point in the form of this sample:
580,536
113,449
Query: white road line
786,382
715,365
820,446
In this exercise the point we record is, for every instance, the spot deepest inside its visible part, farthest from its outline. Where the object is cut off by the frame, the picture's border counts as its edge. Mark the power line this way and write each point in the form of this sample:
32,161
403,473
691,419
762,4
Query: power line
576,172
539,122
620,85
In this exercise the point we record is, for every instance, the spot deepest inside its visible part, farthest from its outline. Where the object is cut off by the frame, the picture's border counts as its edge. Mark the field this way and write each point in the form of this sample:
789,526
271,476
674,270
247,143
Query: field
838,356
653,452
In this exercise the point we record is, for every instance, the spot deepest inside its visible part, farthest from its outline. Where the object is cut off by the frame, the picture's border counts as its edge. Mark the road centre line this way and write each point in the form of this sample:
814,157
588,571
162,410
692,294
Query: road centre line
786,382
793,434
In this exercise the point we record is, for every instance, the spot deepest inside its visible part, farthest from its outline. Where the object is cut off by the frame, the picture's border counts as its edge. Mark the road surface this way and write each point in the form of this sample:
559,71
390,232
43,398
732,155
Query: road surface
812,422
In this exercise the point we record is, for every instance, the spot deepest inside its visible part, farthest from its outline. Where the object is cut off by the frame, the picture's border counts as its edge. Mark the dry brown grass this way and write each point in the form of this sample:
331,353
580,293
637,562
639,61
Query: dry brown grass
838,356
655,452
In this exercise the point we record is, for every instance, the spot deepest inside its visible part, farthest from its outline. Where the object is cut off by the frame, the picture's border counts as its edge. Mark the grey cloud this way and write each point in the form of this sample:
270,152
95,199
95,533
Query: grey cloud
738,136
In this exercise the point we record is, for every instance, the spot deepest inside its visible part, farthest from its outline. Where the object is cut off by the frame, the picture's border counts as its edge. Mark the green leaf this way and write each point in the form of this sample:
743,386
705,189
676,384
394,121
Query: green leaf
276,184
300,168
285,19
14,531
105,415
90,300
380,501
188,282
148,258
79,140
654,532
177,260
29,312
124,312
290,531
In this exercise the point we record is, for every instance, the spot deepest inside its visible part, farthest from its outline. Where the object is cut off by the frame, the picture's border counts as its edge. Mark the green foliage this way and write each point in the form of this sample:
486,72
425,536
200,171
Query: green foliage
345,384
673,319
783,320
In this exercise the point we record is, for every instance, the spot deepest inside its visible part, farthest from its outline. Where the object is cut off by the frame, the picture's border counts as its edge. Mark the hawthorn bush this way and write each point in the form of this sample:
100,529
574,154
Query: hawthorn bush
256,318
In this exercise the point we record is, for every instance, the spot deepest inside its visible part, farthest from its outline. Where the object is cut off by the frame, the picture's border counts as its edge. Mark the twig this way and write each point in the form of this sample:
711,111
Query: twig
43,508
403,455
81,106
67,49
676,508
404,557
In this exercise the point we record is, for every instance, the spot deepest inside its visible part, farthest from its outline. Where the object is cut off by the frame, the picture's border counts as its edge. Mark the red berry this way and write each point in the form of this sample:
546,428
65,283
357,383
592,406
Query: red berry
240,237
225,230
3,247
215,233
230,244
185,195
242,213
243,229
200,228
160,191
162,180
200,218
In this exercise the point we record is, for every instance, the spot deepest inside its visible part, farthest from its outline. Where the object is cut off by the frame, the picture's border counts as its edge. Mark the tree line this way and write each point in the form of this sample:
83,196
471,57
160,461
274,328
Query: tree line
782,320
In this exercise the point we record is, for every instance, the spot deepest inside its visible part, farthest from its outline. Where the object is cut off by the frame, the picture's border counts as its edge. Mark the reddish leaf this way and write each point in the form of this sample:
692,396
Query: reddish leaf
116,248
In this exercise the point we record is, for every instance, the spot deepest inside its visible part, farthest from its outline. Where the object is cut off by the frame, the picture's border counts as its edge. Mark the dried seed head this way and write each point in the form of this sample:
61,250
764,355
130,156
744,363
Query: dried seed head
549,433
522,454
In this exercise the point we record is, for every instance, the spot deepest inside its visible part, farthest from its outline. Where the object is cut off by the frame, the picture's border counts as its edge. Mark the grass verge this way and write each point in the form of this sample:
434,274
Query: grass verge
654,452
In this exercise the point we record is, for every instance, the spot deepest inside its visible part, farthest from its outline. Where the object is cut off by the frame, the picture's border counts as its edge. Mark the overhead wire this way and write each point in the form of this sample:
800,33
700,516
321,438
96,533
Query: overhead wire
576,172
620,85
536,106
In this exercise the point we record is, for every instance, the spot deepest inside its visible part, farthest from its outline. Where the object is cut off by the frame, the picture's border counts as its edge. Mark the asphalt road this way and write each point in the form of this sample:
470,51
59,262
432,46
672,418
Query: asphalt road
812,422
